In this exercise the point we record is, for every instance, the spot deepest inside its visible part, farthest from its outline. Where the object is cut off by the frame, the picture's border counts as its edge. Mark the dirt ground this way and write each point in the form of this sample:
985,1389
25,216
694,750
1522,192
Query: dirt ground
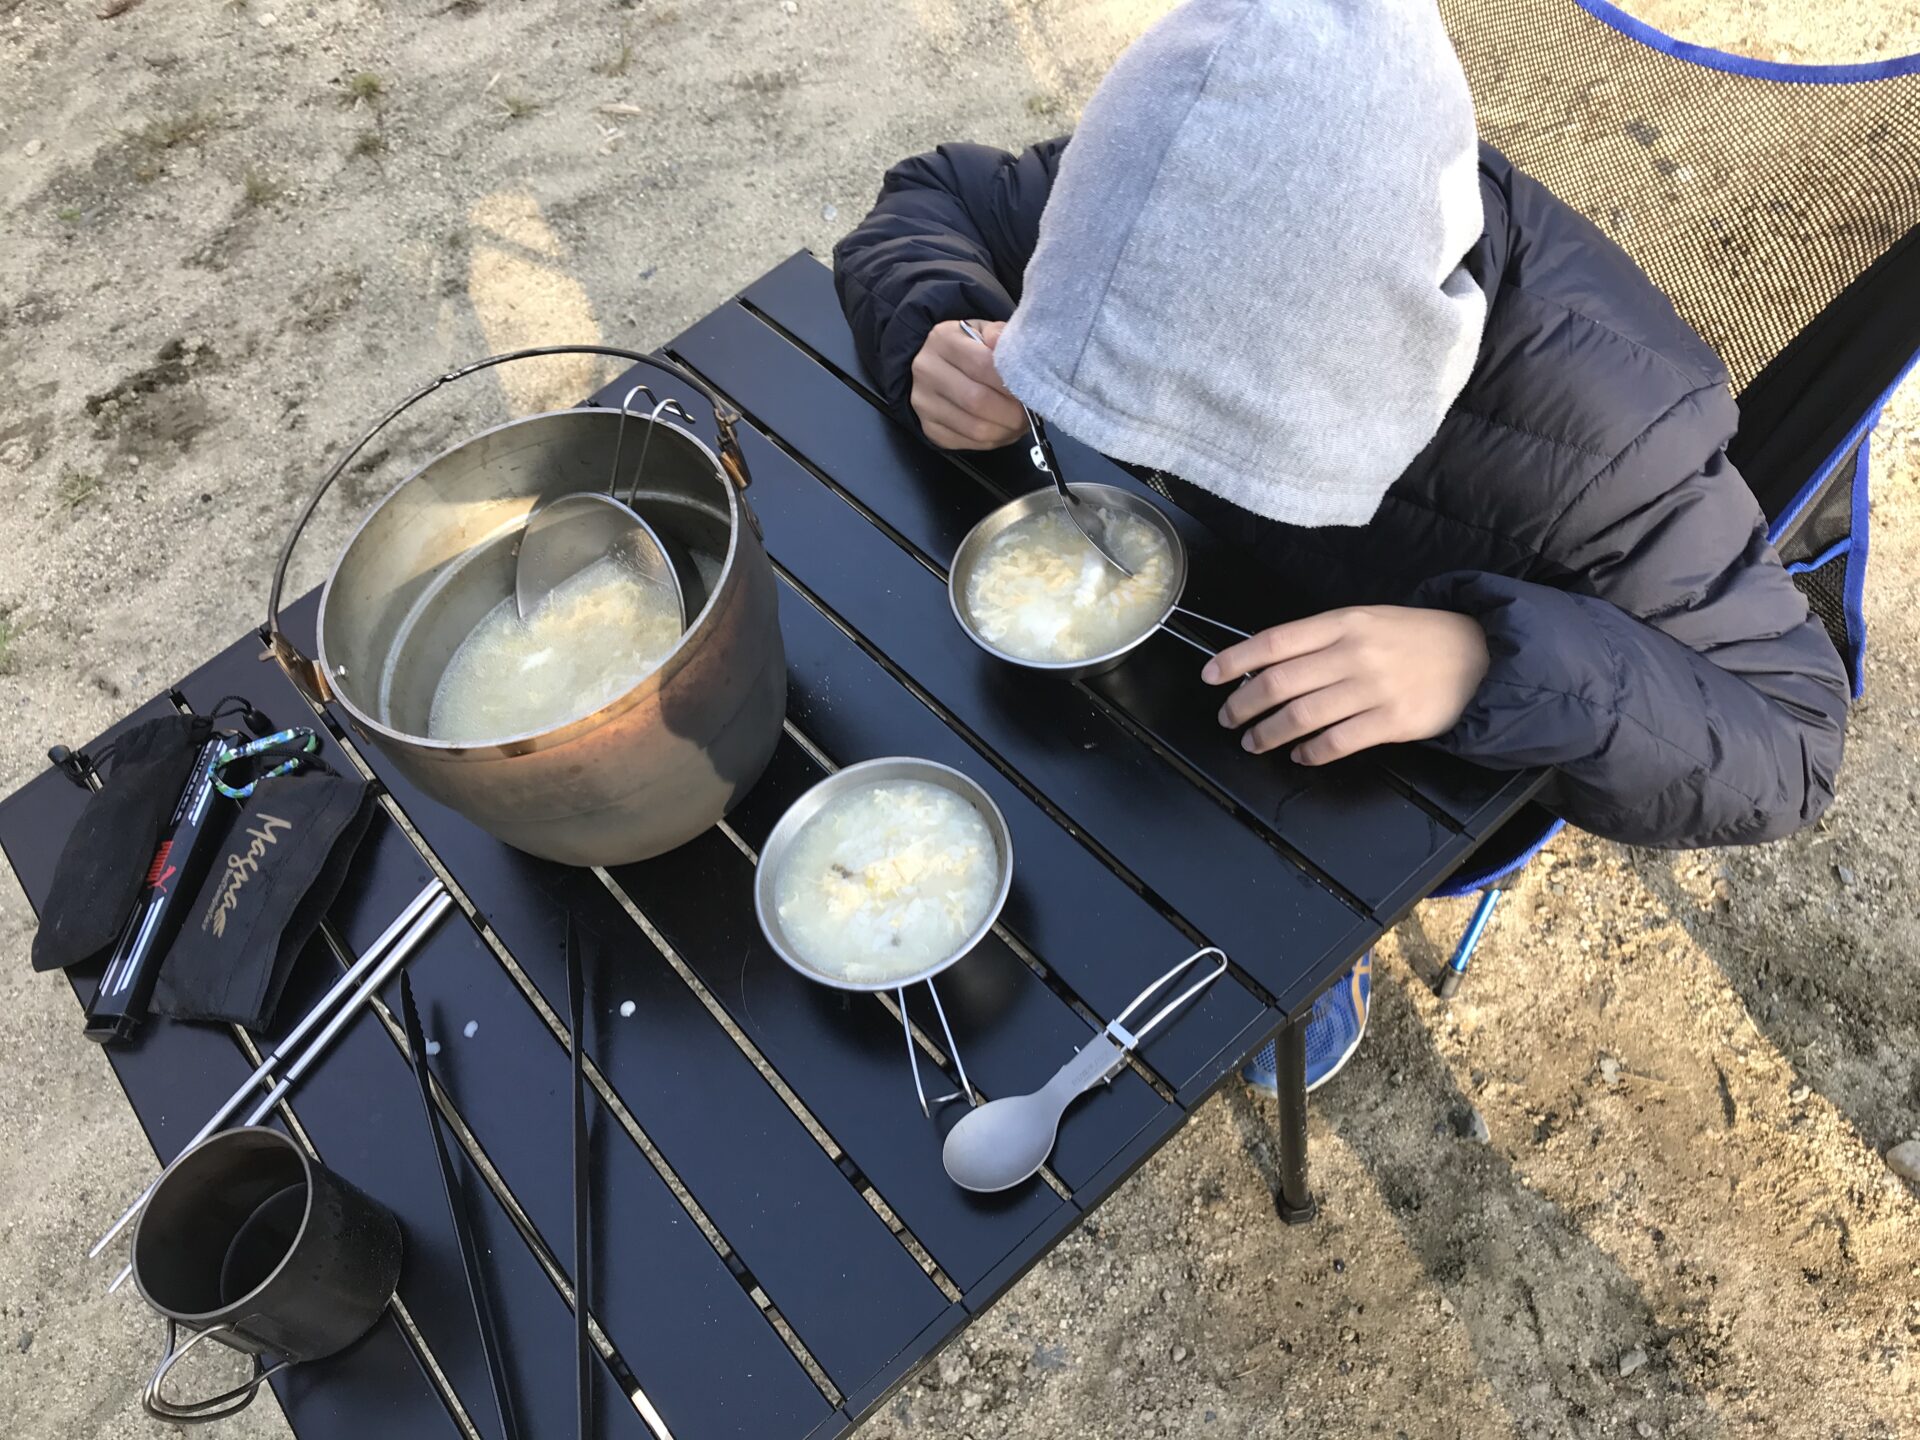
234,232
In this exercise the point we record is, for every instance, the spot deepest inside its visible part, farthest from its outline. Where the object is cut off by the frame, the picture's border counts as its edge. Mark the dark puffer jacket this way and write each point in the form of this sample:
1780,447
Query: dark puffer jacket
1577,500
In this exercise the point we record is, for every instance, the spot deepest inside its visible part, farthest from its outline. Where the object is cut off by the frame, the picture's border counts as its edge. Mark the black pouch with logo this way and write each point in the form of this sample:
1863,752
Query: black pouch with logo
105,861
282,867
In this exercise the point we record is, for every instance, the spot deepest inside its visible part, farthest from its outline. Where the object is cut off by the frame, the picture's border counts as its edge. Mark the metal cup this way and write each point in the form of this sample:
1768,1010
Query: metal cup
248,1242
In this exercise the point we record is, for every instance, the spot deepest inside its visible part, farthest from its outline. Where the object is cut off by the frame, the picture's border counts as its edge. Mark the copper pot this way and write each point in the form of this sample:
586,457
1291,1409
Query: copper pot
649,770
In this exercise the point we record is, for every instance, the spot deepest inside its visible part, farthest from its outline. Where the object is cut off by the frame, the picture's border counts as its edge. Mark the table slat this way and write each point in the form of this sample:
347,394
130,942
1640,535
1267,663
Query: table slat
1361,832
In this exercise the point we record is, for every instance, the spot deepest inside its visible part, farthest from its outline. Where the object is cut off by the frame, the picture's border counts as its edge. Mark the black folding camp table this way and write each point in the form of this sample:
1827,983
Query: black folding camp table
775,1245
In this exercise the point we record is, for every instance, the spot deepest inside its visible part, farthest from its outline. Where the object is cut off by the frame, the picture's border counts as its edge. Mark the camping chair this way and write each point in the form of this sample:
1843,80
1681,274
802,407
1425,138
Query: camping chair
1778,206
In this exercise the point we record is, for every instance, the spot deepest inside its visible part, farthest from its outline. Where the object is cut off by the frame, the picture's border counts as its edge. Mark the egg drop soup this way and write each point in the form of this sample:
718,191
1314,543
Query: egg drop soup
593,639
886,881
1041,592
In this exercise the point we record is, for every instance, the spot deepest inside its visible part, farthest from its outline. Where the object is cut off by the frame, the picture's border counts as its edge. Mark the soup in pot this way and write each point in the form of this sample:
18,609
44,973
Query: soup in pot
593,639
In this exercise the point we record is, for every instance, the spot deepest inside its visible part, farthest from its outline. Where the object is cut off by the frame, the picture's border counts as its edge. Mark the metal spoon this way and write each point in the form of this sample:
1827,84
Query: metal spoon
1006,1141
566,534
1086,518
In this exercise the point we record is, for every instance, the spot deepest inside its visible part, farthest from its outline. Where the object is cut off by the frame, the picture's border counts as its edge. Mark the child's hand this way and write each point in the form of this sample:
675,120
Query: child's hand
1368,675
957,393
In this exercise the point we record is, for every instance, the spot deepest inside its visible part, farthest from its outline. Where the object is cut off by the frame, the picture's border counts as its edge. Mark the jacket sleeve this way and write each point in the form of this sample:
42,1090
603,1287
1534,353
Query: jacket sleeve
948,240
1669,669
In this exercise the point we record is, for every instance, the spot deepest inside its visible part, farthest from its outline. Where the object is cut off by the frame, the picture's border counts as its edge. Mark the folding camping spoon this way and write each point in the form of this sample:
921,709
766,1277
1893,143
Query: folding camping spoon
1004,1141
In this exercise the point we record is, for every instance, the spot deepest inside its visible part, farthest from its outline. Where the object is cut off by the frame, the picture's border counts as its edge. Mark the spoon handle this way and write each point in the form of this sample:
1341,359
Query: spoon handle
1083,516
1097,1062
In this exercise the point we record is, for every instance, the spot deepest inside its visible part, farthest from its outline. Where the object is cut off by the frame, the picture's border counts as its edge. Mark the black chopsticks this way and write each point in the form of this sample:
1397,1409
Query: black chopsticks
469,1255
576,1008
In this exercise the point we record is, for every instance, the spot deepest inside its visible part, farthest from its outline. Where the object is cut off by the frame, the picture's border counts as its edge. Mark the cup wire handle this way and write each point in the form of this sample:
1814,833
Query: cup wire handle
620,436
665,407
195,1412
966,1091
913,1052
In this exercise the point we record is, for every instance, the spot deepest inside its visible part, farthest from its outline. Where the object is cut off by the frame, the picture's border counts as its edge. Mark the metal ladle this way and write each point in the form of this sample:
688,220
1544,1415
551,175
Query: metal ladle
566,534
1007,1140
1086,518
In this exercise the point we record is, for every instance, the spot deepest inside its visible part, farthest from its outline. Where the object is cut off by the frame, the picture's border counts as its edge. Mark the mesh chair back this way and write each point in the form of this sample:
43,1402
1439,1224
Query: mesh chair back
1777,206
1752,193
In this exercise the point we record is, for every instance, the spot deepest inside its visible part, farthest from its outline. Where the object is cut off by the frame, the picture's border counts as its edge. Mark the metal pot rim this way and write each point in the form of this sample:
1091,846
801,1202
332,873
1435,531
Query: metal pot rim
1018,508
533,741
226,1312
795,818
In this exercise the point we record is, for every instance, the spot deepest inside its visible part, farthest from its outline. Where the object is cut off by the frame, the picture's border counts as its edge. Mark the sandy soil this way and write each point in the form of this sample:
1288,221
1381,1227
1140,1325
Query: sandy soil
234,231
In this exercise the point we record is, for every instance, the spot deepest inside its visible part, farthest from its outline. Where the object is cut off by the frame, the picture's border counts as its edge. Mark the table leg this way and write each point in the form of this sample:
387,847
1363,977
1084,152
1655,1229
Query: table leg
1295,1201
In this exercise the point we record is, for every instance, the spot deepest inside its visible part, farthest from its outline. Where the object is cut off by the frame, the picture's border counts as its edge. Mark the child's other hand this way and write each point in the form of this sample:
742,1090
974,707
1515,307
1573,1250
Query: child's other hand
1350,679
957,393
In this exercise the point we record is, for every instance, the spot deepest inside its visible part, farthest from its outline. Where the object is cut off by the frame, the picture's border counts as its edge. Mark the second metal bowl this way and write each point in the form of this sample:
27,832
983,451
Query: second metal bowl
871,772
967,558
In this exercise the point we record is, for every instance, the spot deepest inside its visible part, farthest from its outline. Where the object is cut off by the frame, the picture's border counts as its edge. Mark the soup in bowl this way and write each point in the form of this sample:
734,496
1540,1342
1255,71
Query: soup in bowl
1028,587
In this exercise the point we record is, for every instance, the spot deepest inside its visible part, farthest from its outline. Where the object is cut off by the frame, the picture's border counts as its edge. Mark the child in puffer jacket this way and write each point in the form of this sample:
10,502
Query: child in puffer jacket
1468,436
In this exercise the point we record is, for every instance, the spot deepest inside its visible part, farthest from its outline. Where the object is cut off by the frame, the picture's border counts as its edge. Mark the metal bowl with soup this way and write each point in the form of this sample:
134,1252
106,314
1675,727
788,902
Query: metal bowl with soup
1051,563
841,865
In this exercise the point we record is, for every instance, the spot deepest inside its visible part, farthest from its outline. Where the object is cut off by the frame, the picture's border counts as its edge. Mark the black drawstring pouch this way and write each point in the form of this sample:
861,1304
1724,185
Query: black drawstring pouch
104,862
282,867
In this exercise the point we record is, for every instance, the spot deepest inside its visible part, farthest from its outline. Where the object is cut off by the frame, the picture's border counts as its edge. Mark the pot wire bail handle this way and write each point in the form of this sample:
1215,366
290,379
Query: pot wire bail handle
304,671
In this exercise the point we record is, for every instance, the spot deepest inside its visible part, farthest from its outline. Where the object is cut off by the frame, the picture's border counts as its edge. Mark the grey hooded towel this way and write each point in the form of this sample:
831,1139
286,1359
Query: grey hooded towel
1221,292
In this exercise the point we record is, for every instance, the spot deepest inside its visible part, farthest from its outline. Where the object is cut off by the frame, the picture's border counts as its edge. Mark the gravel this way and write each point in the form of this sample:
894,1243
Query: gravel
1904,1160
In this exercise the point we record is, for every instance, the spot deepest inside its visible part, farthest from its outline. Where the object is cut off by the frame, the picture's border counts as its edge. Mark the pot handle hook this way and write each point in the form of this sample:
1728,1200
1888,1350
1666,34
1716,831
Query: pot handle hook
198,1412
303,670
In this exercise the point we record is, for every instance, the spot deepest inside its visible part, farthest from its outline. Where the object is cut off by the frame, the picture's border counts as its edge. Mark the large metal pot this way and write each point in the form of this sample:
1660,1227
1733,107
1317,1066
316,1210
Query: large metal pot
647,771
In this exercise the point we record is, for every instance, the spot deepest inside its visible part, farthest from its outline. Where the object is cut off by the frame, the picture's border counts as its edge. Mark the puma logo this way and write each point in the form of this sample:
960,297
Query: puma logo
242,867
